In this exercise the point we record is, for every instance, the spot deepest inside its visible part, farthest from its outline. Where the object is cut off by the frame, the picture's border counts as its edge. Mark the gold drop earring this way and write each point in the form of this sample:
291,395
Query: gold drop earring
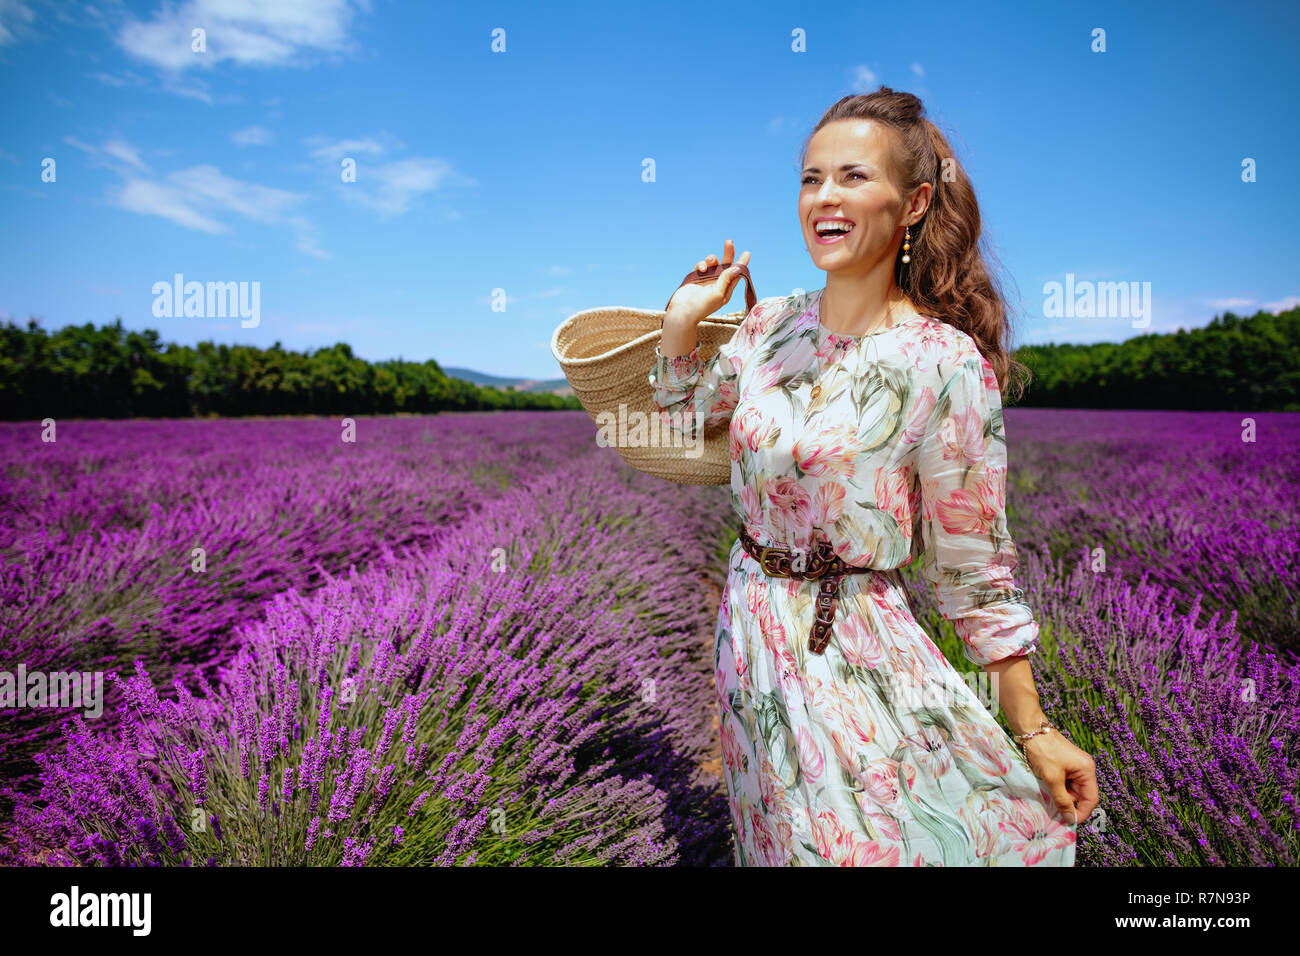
907,244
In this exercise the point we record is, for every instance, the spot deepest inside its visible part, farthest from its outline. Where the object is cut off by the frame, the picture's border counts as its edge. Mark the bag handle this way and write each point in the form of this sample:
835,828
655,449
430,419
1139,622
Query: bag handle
712,272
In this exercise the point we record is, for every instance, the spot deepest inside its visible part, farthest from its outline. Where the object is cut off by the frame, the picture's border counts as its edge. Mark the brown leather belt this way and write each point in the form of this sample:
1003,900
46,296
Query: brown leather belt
821,563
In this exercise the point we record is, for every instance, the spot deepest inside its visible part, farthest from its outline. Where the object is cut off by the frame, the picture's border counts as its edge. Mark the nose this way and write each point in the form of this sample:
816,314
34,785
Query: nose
828,190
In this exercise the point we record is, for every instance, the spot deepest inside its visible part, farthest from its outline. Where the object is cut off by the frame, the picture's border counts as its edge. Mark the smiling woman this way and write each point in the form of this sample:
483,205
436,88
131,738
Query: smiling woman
866,430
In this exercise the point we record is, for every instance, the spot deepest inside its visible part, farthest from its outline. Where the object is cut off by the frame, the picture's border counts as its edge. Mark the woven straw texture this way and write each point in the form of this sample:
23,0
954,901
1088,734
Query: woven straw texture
607,355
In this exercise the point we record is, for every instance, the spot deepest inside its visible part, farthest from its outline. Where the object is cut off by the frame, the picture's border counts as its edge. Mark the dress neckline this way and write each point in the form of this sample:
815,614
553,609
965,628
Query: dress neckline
847,337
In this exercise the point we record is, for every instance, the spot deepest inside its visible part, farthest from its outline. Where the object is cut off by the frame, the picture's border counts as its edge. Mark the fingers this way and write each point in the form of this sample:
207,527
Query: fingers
728,259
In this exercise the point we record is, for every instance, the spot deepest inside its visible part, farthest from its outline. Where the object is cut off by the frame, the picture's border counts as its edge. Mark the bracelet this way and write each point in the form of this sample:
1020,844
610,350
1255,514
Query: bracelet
1020,739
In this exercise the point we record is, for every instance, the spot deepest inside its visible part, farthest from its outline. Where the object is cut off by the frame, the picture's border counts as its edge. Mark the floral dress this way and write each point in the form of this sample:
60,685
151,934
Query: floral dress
876,752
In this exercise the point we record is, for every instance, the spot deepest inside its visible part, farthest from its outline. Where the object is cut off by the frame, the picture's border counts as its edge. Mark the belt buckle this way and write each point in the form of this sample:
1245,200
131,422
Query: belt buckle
762,561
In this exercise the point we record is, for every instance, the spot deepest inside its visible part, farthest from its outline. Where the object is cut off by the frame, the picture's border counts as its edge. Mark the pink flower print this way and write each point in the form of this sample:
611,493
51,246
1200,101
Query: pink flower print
932,751
833,451
720,685
926,342
752,506
772,631
929,492
771,789
791,509
742,665
806,322
921,411
990,377
810,755
762,380
907,664
968,511
886,826
892,493
735,443
962,437
880,783
992,487
766,319
733,754
843,847
983,814
983,745
764,840
750,427
1034,833
870,853
827,503
810,686
727,397
858,643
755,594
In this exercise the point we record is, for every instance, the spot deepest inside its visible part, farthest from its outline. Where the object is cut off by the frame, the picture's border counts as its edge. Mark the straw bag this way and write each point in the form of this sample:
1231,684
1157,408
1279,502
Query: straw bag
607,355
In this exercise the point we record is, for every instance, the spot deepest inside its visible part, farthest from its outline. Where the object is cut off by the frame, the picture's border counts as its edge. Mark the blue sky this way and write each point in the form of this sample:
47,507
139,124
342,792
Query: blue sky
522,170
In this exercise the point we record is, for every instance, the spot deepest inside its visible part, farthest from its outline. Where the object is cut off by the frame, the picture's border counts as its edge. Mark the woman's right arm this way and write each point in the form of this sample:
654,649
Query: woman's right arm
692,389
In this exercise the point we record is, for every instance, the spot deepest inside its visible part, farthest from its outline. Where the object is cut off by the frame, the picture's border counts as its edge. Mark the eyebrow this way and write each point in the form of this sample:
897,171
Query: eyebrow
845,167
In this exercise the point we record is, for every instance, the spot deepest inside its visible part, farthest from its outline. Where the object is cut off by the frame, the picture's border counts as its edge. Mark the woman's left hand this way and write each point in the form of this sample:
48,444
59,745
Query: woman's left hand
1068,772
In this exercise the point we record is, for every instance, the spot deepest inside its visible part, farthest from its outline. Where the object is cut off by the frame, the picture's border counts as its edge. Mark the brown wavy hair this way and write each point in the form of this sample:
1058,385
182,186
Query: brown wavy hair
948,276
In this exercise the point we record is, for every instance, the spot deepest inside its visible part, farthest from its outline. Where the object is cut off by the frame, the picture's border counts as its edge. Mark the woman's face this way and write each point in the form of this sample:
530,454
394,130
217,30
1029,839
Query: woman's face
846,175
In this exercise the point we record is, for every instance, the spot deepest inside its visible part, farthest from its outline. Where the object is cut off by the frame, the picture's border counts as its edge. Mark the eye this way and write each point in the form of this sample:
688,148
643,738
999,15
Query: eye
808,179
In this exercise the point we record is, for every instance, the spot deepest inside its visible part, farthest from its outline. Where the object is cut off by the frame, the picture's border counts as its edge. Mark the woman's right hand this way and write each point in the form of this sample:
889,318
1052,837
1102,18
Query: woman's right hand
694,301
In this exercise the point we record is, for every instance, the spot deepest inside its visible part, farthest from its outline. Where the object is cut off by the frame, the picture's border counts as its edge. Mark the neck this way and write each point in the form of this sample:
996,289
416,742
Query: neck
858,305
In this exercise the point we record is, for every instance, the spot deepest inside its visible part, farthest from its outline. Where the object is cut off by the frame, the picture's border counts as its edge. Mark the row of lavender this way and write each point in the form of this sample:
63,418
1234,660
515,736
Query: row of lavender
544,683
154,539
526,690
1207,503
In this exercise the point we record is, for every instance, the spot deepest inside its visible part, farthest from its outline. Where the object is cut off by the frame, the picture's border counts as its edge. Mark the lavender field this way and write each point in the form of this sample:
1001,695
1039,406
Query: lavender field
444,643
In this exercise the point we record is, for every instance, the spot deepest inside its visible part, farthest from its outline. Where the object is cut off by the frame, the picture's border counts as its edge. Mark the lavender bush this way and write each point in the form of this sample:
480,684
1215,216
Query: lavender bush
98,529
458,705
522,675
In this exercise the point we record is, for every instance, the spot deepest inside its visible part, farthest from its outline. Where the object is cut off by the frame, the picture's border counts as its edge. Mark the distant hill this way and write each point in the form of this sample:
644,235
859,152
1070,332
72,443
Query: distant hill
553,386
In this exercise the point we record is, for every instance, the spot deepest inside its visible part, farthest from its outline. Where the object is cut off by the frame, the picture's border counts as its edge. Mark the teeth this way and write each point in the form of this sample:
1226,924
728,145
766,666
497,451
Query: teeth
824,227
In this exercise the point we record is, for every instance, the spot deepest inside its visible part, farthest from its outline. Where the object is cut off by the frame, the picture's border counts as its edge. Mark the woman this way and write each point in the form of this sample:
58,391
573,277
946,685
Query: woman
866,424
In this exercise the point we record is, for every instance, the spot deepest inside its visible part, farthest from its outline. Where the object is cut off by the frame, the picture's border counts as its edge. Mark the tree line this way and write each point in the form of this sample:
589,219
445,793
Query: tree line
1232,364
111,372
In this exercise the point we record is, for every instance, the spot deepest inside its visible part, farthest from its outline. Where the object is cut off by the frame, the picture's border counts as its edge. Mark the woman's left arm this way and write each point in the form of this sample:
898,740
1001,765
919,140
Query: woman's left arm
971,560
1069,772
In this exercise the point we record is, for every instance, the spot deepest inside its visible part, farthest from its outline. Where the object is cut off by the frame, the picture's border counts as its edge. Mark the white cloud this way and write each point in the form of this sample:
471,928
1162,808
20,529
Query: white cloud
195,92
196,197
864,80
1250,306
246,32
334,151
13,15
168,202
252,136
1282,304
123,151
209,185
390,189
918,70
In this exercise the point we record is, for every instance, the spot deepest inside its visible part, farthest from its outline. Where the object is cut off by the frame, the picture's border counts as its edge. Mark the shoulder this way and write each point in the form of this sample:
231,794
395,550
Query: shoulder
773,312
946,350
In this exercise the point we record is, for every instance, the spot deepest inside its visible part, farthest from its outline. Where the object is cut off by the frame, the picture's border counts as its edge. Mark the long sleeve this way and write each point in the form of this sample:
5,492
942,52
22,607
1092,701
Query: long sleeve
687,387
969,554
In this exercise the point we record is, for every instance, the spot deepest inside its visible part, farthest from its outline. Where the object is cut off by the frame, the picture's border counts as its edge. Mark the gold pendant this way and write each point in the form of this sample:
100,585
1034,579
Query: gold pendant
816,390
